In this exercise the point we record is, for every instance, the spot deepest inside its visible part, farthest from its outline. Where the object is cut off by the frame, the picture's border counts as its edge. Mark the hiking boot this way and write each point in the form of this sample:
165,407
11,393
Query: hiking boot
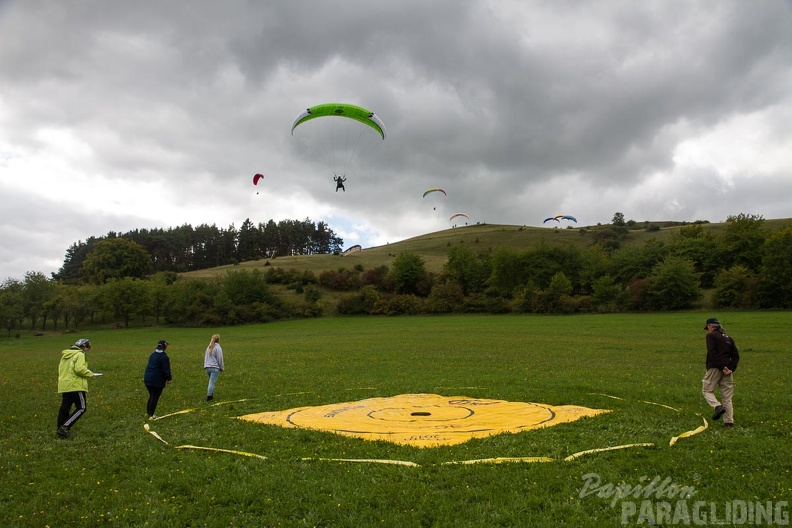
153,417
720,410
63,432
728,425
210,397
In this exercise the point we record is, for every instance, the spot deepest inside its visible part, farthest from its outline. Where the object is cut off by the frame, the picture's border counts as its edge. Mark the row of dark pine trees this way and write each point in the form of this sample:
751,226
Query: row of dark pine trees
186,248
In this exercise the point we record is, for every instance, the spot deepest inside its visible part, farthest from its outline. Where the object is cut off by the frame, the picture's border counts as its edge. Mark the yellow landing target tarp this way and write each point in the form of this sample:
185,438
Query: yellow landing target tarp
424,420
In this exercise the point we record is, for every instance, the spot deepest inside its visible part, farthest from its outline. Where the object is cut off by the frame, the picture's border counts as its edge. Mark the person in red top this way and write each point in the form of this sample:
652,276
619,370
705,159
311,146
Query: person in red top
722,359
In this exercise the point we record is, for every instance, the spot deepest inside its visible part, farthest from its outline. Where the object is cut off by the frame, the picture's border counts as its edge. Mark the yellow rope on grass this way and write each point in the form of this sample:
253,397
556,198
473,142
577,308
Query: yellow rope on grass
686,434
154,434
606,395
185,411
600,450
660,405
218,450
227,402
366,460
500,460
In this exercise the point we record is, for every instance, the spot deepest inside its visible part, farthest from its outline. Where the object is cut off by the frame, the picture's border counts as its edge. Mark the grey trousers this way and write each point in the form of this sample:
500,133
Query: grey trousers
716,378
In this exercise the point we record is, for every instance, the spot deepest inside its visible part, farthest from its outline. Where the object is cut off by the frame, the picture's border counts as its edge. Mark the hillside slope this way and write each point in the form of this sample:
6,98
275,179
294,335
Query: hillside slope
434,247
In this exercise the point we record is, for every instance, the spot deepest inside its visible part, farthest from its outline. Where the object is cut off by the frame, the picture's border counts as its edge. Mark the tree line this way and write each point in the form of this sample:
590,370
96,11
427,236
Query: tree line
744,266
185,248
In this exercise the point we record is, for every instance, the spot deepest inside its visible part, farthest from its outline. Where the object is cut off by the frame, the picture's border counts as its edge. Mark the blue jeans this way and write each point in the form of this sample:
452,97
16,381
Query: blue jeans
213,373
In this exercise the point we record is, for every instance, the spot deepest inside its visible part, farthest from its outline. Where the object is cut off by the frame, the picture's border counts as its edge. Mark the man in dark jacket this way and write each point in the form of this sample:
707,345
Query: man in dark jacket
156,376
722,359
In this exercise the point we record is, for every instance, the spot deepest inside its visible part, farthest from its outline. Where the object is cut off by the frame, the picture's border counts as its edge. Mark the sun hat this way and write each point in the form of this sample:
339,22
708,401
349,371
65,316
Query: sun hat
711,321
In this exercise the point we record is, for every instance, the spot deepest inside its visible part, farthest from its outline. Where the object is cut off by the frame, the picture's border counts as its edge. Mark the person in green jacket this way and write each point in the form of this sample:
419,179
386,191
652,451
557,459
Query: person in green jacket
73,374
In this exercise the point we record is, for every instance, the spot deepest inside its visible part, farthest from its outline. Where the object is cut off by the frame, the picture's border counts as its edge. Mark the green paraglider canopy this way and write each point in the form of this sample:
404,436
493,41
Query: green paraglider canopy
341,139
358,113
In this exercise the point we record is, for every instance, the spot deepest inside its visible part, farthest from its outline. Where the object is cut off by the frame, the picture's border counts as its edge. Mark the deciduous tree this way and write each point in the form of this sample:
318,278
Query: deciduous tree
116,258
407,271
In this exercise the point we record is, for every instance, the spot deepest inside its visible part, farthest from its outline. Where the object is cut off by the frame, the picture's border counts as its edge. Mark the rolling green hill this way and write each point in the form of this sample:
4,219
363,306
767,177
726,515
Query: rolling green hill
434,247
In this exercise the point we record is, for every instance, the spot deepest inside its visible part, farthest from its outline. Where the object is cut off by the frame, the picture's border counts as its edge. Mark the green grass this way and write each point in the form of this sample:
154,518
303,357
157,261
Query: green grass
111,472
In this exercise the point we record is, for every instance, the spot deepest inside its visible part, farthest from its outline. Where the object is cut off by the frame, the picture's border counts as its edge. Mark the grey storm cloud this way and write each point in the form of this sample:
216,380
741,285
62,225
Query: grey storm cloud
118,115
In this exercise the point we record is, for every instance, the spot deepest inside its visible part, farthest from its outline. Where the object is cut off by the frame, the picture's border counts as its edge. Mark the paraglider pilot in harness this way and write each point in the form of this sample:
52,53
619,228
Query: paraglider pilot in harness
339,182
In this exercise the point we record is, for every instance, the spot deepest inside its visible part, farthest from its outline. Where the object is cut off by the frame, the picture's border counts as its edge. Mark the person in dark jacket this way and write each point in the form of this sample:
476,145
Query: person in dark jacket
722,359
157,376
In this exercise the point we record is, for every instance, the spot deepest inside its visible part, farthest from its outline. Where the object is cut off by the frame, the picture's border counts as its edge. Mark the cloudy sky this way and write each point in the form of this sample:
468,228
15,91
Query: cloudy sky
118,115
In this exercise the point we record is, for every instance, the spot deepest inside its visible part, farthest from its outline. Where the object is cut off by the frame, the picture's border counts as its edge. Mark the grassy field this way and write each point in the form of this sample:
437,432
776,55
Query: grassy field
645,368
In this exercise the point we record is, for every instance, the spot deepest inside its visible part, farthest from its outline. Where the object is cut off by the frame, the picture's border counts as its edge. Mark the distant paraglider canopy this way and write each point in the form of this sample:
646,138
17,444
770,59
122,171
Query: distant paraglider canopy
558,218
256,179
435,192
458,215
434,189
352,249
